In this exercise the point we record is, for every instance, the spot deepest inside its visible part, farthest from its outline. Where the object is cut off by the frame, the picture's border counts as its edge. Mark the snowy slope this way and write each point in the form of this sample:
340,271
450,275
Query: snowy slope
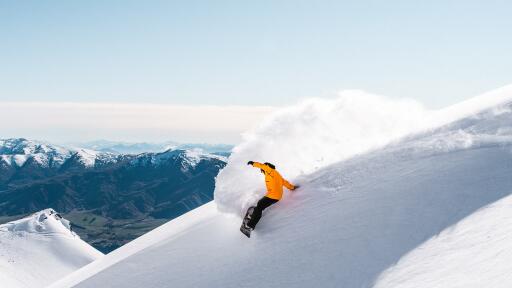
37,250
476,252
356,214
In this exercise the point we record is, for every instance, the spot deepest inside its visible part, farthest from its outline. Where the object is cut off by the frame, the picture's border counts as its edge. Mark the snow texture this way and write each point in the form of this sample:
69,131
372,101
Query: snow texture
474,253
412,202
40,249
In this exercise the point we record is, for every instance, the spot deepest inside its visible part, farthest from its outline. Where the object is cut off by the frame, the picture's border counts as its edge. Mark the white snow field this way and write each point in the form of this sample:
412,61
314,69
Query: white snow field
476,252
39,249
379,209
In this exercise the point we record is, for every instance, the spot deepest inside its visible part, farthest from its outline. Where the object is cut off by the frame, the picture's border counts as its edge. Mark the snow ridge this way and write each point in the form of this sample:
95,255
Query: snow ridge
43,222
39,249
16,152
476,252
189,159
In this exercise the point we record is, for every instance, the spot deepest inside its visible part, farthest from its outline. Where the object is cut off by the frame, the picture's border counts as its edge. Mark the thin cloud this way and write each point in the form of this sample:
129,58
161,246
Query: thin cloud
70,121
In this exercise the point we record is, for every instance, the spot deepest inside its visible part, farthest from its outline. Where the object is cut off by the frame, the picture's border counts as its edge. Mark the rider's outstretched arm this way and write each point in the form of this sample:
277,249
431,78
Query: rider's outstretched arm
289,185
259,165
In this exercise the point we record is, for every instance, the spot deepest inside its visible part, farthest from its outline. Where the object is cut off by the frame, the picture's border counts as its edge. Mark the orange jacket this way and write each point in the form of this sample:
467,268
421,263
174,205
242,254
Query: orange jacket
274,182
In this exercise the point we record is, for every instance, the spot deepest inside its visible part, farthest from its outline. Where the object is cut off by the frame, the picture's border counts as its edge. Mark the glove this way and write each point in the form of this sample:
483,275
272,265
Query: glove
250,162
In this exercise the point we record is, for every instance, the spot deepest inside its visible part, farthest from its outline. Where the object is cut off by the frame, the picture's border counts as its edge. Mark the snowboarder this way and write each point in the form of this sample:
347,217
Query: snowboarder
274,182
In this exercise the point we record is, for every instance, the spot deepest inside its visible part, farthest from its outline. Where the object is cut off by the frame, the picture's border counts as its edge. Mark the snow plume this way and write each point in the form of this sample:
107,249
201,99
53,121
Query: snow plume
319,132
311,135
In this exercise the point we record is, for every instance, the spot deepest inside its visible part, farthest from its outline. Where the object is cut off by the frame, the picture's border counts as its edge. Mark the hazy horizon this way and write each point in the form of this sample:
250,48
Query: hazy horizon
64,122
73,122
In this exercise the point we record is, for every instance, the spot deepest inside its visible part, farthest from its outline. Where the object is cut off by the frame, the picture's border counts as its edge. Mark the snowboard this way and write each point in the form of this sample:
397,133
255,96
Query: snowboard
247,232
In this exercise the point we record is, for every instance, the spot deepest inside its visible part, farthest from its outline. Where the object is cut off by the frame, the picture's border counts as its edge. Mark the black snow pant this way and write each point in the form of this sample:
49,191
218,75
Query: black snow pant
258,210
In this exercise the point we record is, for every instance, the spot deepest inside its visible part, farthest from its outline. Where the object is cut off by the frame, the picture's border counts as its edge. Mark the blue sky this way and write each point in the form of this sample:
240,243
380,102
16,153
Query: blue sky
251,53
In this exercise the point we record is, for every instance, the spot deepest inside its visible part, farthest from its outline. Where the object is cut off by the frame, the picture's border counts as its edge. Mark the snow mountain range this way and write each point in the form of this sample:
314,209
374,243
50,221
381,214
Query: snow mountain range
137,148
104,193
18,152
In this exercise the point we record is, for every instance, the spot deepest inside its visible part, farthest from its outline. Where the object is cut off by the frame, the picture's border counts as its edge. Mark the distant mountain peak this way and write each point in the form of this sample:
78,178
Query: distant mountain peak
144,147
39,249
188,159
17,151
47,221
